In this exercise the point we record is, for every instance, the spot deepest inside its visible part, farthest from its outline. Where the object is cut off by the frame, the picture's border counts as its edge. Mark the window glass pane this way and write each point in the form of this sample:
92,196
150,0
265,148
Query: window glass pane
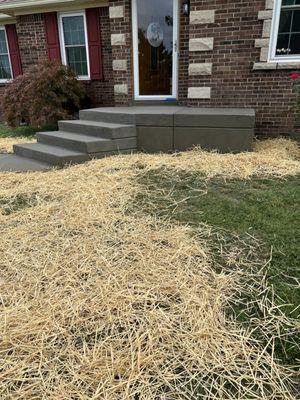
282,44
77,60
295,44
74,30
75,44
296,21
5,72
288,2
288,42
3,46
285,21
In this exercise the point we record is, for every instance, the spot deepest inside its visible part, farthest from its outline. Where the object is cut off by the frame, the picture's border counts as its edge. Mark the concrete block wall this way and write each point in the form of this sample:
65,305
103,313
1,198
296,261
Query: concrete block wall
181,128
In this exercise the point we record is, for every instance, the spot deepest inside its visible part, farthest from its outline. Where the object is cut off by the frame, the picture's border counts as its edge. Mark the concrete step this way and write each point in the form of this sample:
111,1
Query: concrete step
136,115
99,129
115,115
13,163
50,154
85,143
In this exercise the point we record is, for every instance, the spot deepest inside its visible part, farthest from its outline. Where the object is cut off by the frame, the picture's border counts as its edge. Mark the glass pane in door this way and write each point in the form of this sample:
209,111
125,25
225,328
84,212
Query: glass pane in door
155,54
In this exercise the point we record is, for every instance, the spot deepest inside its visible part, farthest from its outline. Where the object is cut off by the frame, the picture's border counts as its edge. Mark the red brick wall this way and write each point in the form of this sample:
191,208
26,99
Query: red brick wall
32,41
233,82
183,67
102,92
32,44
123,26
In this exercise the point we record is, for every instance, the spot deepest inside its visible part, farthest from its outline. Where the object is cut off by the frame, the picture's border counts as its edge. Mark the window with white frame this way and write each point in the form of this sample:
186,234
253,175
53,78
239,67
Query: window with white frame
286,45
5,67
74,43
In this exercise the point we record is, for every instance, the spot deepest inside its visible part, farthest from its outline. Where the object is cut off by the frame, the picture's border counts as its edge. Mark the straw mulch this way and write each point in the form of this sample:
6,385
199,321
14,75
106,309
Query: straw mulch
271,158
100,301
6,144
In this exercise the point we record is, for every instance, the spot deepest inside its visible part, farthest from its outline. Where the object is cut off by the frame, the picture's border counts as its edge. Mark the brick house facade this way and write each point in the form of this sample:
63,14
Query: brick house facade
222,57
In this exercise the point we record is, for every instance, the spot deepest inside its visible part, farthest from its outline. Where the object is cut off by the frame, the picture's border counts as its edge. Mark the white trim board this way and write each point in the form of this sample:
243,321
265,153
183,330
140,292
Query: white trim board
35,6
272,57
2,28
62,40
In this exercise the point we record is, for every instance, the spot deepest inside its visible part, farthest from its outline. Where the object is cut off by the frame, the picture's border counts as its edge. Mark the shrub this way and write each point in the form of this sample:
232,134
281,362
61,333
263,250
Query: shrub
44,94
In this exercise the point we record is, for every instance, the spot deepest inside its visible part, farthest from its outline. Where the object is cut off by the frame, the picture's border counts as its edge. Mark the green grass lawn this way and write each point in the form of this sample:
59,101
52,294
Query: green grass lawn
22,131
265,209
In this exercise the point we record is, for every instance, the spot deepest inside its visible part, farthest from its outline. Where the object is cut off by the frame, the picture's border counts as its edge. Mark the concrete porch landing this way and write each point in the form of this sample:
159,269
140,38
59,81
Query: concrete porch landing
167,129
101,132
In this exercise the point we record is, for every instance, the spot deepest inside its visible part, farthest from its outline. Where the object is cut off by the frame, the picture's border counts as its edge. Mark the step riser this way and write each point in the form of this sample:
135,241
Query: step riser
97,156
115,118
98,131
90,148
49,158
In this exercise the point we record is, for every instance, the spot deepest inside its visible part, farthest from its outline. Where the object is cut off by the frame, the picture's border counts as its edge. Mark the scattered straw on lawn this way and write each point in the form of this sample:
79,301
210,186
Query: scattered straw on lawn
6,144
100,301
277,157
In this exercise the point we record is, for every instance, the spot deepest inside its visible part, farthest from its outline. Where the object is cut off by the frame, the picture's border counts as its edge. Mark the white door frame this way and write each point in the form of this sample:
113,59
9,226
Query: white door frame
137,95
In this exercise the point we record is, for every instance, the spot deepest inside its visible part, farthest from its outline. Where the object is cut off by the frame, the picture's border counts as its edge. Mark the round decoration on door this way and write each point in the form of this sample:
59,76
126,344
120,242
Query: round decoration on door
155,34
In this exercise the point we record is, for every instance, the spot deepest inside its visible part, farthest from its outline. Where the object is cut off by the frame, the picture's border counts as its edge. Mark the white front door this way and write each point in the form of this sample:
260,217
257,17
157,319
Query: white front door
155,49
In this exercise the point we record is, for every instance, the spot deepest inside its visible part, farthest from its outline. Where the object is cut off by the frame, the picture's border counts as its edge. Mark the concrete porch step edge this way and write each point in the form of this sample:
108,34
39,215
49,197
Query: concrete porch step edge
85,143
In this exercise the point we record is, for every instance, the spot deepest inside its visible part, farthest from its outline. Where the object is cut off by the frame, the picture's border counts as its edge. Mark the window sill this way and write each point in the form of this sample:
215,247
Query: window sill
258,66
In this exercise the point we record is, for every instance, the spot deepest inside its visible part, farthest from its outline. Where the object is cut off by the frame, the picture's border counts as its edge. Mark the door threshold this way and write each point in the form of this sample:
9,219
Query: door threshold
154,103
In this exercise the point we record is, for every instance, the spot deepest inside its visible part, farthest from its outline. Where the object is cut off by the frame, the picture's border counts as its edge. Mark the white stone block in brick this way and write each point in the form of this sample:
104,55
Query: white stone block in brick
267,28
269,4
200,69
262,42
199,93
202,17
202,44
116,12
287,65
121,89
118,39
265,14
264,54
264,66
120,65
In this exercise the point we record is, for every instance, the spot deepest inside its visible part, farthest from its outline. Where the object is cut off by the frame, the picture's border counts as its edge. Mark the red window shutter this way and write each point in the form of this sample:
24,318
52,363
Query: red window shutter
14,52
52,36
94,38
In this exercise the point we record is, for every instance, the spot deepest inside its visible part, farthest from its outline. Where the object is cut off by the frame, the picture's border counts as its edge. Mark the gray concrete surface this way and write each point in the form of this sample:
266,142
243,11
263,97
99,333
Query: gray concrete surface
155,139
110,130
13,163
